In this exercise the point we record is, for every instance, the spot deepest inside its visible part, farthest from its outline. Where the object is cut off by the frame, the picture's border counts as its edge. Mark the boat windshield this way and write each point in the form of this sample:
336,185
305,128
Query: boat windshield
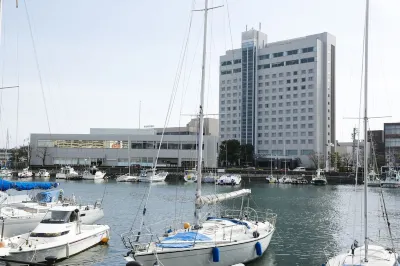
56,217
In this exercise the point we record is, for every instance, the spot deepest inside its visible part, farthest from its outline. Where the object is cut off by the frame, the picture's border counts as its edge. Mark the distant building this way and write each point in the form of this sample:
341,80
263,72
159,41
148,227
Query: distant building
377,147
280,97
109,147
392,142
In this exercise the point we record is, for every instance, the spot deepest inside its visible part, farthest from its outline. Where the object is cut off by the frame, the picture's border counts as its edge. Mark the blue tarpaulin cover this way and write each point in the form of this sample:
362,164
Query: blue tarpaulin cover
183,240
49,196
6,185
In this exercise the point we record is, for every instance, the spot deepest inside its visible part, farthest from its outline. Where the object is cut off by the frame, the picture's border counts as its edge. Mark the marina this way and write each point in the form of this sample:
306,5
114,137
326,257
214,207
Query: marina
307,216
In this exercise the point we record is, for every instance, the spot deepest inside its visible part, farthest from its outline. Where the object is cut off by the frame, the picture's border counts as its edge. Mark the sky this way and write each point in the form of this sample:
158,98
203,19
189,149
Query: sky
99,59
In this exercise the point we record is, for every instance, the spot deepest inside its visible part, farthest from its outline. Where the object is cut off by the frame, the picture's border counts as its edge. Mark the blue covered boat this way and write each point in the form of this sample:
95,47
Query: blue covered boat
6,185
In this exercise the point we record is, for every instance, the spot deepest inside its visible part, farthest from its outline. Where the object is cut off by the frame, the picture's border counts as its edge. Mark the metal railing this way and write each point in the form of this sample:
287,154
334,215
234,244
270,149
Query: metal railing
251,214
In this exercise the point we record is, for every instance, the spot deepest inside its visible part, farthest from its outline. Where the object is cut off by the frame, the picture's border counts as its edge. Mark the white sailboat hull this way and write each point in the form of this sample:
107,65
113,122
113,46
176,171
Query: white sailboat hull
230,254
155,178
127,178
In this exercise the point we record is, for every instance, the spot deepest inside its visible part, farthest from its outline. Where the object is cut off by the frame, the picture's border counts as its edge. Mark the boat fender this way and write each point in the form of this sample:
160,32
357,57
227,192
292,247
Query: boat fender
215,254
258,249
256,234
186,225
169,231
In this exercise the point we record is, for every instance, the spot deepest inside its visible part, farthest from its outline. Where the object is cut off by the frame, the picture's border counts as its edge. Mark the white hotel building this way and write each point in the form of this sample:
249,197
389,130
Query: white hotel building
279,96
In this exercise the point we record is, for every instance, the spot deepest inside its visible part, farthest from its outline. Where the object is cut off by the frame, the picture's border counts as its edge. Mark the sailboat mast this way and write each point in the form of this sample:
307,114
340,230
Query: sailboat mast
201,116
129,155
366,133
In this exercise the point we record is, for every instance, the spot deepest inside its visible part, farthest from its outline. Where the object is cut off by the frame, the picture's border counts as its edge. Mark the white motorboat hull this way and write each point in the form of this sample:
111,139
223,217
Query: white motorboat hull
152,179
18,226
390,184
127,178
230,254
319,182
82,242
229,180
94,177
209,179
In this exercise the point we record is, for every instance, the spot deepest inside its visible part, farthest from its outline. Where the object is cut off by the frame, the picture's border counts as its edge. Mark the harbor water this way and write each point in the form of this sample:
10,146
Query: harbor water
313,222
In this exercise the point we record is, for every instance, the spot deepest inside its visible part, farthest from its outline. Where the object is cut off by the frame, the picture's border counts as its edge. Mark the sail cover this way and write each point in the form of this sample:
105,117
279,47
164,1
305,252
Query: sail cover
213,199
6,185
183,240
49,196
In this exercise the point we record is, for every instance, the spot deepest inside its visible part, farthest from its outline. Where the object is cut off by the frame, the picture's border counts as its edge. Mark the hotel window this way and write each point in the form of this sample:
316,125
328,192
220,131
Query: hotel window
288,81
310,102
267,83
303,79
222,102
288,140
273,75
310,141
260,84
303,141
288,96
280,75
310,125
273,83
310,133
288,74
266,98
294,118
223,89
280,112
267,91
310,94
311,71
280,97
311,117
295,111
310,78
260,77
287,119
303,87
310,110
294,73
295,141
295,134
303,72
274,105
266,76
288,111
303,118
280,141
281,82
311,86
295,88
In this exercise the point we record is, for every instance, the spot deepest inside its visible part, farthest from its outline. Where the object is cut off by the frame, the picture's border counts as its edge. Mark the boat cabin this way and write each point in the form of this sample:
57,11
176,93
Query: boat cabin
61,215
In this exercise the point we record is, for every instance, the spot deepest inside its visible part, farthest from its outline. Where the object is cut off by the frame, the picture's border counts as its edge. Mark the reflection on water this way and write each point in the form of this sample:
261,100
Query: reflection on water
313,222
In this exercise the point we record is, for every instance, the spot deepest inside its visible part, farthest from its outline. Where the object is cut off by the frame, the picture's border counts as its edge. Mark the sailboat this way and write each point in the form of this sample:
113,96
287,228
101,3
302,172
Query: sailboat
128,177
271,178
238,236
367,255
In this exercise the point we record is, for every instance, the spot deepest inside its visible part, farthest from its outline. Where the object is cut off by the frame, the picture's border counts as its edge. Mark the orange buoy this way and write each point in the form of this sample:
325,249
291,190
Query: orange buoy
2,244
104,240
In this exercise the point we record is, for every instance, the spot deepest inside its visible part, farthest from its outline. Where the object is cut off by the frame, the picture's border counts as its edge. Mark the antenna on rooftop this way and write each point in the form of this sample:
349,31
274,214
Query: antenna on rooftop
259,26
246,27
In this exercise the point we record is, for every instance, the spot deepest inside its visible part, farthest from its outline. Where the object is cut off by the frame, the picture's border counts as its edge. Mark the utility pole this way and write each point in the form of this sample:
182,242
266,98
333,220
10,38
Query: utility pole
354,149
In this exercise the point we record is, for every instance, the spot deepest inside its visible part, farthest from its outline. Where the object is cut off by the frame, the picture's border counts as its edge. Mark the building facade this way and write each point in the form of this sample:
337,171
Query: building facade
280,97
391,133
110,147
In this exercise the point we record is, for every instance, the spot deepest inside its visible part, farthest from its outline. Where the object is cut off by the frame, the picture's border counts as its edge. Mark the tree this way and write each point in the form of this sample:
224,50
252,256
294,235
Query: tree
229,152
246,154
318,159
42,153
347,161
335,160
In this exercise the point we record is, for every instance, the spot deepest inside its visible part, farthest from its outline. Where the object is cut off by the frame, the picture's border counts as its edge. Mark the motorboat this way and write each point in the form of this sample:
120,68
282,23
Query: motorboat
229,179
67,172
24,216
25,173
93,173
43,173
299,180
4,172
127,178
285,180
60,233
373,179
319,178
271,179
392,179
210,178
190,175
152,176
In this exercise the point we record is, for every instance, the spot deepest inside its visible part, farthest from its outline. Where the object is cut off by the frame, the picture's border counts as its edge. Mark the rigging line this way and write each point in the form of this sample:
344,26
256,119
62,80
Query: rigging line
387,219
3,33
210,57
168,115
37,65
182,97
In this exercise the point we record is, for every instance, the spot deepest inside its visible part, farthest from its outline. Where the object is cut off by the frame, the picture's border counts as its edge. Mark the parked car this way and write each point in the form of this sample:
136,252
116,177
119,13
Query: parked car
299,169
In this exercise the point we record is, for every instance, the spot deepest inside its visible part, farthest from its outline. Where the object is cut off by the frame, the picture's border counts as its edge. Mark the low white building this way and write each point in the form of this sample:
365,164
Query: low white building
109,147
